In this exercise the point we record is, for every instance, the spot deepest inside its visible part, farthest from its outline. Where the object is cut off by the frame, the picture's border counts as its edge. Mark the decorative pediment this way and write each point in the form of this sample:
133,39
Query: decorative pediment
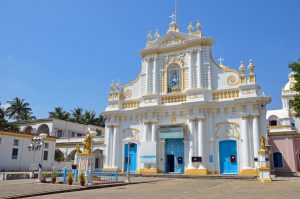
171,38
225,130
131,134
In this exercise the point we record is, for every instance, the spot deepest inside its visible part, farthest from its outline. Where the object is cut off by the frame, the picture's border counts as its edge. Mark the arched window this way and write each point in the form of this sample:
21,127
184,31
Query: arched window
273,120
290,104
277,159
173,78
28,130
43,129
273,123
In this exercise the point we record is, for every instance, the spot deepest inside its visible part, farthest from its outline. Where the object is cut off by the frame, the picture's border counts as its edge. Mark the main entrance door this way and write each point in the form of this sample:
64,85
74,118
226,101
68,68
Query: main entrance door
132,157
228,157
174,155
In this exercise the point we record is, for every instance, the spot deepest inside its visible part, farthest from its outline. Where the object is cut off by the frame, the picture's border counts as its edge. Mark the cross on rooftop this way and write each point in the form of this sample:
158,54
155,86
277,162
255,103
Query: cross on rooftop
220,60
173,16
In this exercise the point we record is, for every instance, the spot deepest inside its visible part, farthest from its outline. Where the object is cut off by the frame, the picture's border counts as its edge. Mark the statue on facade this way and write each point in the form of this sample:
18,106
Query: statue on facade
262,143
78,149
174,83
87,143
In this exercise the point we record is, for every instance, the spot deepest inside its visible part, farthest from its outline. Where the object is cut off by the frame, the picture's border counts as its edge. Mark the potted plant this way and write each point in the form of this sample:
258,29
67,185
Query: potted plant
44,176
70,176
53,177
81,178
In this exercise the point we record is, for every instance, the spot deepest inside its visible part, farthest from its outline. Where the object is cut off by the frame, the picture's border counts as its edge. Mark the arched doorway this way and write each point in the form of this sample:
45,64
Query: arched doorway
71,155
130,151
43,129
28,130
278,160
130,158
228,157
174,155
98,158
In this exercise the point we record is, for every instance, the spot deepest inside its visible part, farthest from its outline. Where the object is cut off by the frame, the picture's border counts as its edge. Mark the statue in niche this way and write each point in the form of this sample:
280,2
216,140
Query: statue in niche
262,143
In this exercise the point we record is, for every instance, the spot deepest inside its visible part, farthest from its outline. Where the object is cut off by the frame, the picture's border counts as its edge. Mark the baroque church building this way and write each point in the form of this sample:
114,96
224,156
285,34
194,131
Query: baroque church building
185,113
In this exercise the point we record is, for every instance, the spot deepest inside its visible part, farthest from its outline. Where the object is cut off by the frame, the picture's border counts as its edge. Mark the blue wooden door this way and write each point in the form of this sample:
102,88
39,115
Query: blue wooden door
228,157
132,157
174,155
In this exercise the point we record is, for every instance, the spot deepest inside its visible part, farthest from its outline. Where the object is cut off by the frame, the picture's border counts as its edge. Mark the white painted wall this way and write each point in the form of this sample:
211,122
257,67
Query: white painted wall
25,157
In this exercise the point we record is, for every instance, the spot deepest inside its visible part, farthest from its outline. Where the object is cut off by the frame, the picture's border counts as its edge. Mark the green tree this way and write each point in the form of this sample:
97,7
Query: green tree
77,115
59,156
89,117
59,113
4,125
100,121
2,117
19,109
295,66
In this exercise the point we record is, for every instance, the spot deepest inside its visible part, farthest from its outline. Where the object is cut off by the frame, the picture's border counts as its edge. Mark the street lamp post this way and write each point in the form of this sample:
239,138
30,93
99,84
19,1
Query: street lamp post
90,177
36,145
128,142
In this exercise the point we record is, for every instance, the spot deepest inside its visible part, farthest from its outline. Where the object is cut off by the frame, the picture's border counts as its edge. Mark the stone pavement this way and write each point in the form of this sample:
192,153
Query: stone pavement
26,188
282,188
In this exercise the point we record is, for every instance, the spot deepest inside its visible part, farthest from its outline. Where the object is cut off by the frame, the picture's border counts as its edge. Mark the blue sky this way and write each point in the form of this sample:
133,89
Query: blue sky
67,52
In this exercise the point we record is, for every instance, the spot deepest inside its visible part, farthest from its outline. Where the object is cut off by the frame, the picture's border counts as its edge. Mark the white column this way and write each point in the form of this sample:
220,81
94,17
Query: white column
199,79
146,130
153,137
110,139
147,76
256,137
115,147
153,133
191,144
108,147
245,144
190,71
154,75
201,143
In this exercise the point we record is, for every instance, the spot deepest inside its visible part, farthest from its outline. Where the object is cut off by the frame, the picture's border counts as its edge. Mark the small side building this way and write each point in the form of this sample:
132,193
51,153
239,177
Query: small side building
284,134
15,155
68,135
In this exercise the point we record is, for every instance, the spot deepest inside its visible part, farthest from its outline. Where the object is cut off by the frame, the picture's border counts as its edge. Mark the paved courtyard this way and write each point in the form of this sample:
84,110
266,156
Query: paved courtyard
195,188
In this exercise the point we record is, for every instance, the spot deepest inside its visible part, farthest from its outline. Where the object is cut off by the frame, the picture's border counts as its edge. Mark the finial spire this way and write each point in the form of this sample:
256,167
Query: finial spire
199,27
156,34
191,28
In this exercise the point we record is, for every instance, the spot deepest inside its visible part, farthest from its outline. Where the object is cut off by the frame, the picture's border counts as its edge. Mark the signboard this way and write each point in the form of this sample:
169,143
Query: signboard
33,167
148,152
151,159
171,133
196,159
180,160
232,158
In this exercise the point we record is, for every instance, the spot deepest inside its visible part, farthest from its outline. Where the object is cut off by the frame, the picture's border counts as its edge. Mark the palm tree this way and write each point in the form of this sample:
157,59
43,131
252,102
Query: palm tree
77,115
59,113
100,121
19,110
89,117
2,117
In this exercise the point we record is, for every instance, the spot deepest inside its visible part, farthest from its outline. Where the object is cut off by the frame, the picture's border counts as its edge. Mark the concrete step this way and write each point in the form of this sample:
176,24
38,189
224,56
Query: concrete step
167,175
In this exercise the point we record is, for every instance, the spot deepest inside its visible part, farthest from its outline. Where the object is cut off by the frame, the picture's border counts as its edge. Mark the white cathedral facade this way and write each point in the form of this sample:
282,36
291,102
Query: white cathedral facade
185,113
